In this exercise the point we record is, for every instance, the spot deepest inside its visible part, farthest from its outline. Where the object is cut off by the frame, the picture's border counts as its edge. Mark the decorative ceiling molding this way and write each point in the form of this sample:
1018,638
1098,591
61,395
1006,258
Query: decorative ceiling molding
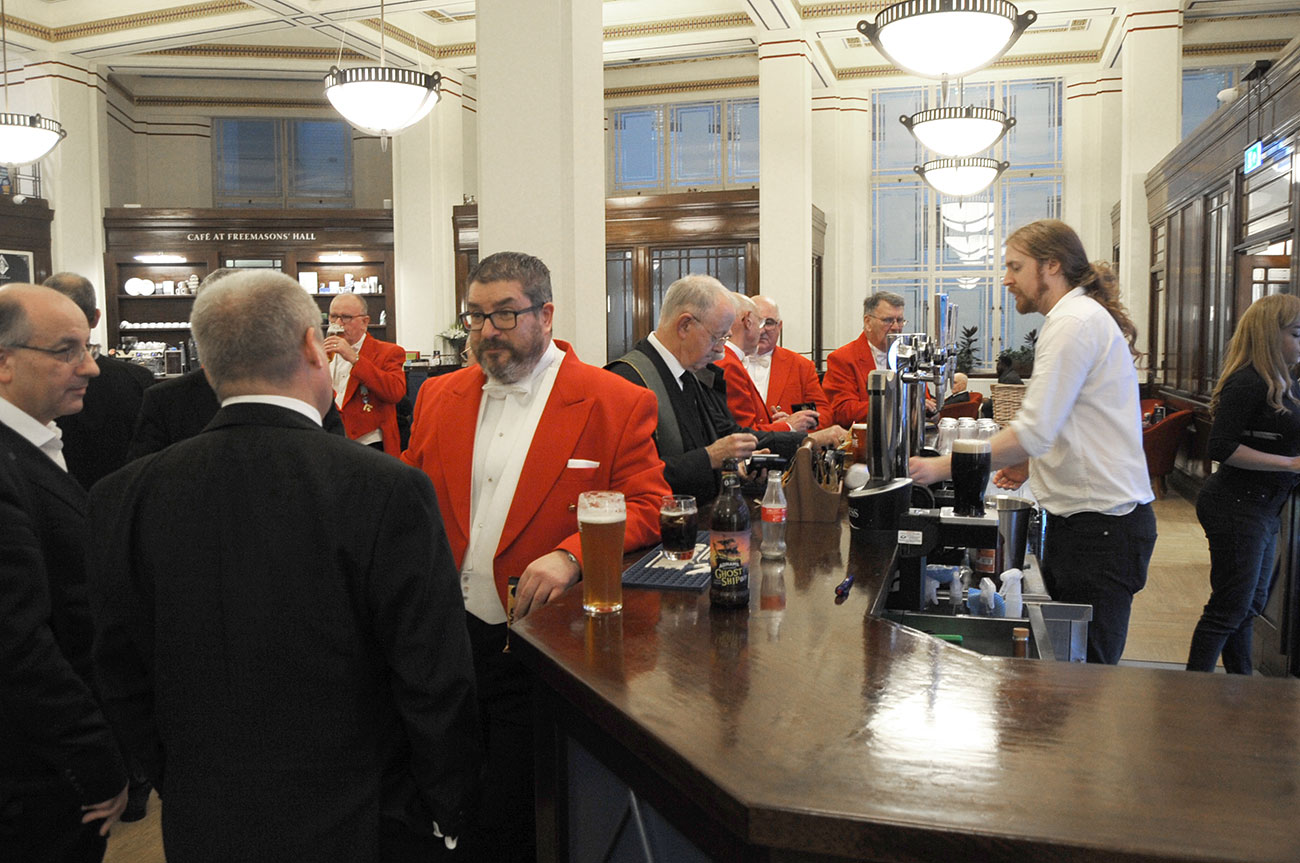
444,18
677,25
128,22
226,102
1271,46
679,61
259,52
835,10
1018,62
681,87
428,49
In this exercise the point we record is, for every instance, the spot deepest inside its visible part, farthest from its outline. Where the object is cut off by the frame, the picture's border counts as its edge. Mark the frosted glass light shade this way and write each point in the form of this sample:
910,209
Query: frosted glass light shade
382,100
958,131
961,177
945,38
27,138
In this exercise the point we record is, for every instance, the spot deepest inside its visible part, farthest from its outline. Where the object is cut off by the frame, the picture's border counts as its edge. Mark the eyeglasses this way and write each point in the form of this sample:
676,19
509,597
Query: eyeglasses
713,336
891,322
502,319
345,319
72,355
770,323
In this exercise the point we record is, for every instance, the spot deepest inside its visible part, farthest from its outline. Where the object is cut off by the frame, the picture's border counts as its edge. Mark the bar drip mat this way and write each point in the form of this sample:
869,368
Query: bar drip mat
655,572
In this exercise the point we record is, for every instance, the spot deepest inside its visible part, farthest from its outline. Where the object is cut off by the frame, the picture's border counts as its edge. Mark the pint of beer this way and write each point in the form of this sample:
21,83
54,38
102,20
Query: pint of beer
971,460
602,518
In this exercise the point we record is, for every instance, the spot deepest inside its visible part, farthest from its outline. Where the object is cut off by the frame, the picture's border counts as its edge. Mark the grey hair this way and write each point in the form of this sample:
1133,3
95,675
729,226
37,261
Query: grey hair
15,325
530,272
217,275
250,327
365,307
889,298
741,303
76,288
695,294
765,298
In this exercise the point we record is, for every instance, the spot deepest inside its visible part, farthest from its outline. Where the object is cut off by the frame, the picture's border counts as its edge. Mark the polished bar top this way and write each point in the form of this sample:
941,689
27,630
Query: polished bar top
815,727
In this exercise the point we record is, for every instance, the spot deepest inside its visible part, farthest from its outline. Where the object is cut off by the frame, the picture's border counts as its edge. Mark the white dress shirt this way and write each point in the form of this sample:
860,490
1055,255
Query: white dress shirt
46,438
341,372
289,402
759,367
674,367
1081,420
507,419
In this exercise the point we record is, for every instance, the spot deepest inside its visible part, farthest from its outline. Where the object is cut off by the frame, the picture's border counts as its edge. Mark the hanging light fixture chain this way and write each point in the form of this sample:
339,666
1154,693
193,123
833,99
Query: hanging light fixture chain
381,33
4,47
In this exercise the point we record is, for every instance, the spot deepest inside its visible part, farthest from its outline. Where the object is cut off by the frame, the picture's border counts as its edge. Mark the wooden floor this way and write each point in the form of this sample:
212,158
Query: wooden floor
1164,615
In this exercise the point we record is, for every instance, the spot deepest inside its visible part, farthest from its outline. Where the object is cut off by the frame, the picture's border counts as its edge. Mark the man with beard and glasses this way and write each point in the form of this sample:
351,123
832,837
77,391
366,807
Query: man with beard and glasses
509,444
1077,437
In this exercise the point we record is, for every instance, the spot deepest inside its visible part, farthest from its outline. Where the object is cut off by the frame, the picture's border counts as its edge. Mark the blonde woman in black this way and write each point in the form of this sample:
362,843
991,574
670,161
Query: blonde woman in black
1256,440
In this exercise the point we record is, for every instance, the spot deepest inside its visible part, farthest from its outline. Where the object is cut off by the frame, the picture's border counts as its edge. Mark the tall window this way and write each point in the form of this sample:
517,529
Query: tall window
687,145
1201,89
924,242
281,163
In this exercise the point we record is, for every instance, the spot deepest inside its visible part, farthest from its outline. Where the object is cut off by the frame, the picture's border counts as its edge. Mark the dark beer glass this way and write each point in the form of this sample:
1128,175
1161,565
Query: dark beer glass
971,461
678,525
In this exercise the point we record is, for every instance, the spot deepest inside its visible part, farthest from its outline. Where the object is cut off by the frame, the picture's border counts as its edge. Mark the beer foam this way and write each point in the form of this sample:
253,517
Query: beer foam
971,446
601,516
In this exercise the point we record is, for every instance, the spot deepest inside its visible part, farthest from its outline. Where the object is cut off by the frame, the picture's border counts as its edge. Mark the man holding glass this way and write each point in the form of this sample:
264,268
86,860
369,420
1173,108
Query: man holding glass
1077,437
367,374
510,443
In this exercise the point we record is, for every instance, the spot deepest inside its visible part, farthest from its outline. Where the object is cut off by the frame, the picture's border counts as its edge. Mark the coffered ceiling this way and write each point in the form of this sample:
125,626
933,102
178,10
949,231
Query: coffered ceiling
301,39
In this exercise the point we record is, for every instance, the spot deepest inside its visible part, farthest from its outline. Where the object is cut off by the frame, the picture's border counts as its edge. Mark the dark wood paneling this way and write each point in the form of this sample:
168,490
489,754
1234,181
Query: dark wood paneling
25,227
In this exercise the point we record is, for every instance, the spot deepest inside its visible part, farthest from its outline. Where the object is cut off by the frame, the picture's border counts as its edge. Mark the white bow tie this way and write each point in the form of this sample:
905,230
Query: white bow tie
764,360
498,390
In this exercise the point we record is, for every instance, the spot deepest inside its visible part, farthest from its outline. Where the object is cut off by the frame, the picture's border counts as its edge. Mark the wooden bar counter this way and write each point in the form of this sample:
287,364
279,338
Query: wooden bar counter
805,730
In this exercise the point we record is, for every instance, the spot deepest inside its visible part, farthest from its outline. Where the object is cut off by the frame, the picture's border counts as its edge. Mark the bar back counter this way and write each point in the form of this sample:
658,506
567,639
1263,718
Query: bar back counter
803,730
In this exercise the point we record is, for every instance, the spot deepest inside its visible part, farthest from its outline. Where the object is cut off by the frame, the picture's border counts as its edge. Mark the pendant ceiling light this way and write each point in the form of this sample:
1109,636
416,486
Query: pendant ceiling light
961,177
24,138
379,99
958,131
945,38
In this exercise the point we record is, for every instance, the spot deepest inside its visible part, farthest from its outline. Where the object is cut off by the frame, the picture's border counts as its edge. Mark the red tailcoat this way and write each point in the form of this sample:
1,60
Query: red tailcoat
846,380
379,369
792,381
591,415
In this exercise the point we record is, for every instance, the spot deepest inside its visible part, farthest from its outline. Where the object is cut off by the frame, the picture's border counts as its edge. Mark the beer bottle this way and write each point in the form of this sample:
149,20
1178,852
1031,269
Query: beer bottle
729,543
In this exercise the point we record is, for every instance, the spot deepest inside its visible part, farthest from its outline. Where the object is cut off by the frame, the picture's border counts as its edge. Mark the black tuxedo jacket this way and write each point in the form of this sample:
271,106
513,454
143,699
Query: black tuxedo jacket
96,439
689,471
179,408
52,731
280,634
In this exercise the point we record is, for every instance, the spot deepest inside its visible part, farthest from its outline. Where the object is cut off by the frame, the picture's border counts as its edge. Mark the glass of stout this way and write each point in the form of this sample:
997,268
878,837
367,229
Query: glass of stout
971,461
678,524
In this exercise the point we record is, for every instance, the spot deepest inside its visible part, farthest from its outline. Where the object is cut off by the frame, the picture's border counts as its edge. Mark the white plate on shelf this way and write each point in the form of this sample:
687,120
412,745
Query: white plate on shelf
132,287
146,287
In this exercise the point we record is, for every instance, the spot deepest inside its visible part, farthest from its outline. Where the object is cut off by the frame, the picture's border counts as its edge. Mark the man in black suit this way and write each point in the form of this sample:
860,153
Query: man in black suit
960,390
60,766
696,430
280,633
180,408
95,439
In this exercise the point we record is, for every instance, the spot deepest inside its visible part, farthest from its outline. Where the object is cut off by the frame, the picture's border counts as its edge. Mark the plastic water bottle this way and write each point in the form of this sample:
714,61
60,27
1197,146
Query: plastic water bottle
773,517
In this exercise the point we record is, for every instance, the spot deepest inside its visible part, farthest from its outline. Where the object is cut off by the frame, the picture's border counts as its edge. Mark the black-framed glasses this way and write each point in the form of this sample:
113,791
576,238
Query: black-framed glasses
502,319
715,337
770,323
72,354
891,322
345,319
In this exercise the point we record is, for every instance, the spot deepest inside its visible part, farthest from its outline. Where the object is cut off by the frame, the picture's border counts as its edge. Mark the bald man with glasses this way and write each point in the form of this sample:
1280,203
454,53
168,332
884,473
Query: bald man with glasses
59,762
368,377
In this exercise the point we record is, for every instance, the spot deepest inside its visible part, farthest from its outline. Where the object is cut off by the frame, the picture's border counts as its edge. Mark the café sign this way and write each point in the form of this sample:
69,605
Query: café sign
251,236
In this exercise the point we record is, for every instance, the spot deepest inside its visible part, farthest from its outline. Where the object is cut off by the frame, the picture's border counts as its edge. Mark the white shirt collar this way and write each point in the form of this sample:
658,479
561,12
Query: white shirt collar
47,438
289,402
360,342
674,366
735,349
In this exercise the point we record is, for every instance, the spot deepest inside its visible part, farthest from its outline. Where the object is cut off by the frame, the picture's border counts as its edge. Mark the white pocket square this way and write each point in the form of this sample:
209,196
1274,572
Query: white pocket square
582,462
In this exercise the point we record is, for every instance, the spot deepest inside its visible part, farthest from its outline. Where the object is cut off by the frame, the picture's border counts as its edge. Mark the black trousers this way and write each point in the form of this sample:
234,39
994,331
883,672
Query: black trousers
504,830
45,827
1100,560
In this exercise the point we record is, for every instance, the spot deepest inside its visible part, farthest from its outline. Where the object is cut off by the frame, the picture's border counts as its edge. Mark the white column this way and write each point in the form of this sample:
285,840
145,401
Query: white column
785,200
1151,115
842,188
1092,150
427,182
74,178
541,152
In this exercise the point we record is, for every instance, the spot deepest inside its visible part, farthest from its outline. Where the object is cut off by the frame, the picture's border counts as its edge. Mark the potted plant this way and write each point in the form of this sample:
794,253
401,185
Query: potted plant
968,351
1022,358
455,336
